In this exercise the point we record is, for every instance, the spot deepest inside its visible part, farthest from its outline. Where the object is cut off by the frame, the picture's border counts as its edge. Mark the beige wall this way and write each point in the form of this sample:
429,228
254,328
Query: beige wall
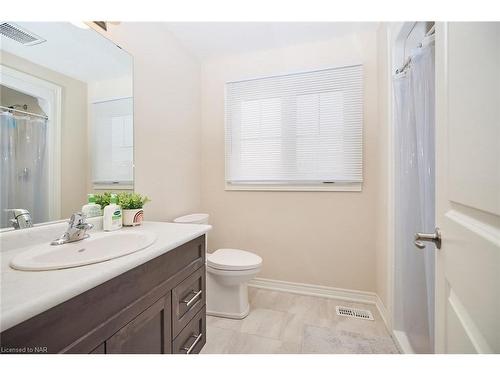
166,119
113,88
74,157
382,246
324,238
328,238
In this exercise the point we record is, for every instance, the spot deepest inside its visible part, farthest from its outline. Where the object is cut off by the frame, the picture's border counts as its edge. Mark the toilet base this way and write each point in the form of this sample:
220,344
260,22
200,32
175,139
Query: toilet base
242,315
227,297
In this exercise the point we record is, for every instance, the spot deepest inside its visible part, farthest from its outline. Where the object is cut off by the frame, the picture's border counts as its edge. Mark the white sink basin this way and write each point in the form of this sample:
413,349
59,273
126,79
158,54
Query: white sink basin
99,247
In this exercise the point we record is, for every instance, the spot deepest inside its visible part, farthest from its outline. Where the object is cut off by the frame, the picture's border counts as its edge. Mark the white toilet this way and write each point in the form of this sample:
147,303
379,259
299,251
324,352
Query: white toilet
228,272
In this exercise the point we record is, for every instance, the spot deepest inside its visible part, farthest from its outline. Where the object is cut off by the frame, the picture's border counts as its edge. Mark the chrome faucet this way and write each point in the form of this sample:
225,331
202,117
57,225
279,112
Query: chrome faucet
22,218
77,230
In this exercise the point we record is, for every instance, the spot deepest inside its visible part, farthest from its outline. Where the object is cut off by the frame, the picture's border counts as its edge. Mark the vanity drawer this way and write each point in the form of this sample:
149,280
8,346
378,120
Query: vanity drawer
193,337
187,299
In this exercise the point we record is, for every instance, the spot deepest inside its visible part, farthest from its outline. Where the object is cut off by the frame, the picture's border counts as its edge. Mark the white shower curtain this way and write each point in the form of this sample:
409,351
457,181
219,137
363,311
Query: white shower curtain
415,206
23,166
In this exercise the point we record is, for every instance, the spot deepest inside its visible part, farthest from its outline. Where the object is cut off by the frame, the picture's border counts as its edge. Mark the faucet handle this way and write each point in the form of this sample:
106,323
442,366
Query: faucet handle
77,221
21,218
17,211
77,218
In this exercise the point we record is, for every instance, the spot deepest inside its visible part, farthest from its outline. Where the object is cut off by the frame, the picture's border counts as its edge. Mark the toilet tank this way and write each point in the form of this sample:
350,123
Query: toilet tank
193,219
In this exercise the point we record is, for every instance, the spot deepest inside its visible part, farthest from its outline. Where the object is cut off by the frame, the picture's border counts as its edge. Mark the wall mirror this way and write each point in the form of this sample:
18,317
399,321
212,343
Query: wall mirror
66,117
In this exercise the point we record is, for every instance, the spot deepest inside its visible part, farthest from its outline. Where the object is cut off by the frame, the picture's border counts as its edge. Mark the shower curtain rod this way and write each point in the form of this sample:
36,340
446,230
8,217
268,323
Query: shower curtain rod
408,60
25,112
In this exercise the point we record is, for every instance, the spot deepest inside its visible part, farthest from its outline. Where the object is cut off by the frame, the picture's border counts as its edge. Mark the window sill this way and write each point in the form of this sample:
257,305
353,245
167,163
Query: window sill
354,187
113,187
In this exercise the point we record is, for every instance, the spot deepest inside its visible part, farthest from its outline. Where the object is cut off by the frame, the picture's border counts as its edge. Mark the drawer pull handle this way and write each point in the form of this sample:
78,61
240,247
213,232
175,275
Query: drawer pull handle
196,341
194,298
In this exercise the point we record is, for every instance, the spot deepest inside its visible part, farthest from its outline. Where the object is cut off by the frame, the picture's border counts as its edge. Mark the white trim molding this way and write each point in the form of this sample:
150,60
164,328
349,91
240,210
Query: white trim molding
113,186
355,186
324,292
402,342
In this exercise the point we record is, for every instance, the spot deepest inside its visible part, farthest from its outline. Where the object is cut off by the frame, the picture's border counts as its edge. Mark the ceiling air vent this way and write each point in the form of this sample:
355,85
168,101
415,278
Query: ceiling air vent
354,313
19,34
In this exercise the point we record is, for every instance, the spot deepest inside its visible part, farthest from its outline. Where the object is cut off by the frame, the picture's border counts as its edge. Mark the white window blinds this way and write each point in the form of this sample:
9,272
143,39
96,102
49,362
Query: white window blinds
304,128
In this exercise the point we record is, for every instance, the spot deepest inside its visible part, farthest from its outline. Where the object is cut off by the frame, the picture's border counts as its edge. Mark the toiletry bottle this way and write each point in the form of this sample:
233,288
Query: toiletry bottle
91,209
112,216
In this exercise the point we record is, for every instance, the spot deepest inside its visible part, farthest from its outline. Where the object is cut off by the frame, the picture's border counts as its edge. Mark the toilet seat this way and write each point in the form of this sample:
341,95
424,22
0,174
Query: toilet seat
233,260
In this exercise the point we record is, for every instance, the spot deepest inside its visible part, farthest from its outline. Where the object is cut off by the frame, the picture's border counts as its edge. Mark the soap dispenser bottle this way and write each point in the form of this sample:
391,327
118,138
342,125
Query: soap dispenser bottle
91,209
112,216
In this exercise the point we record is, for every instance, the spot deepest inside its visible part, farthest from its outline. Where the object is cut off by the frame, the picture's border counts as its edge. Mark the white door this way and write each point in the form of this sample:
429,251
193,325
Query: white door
468,187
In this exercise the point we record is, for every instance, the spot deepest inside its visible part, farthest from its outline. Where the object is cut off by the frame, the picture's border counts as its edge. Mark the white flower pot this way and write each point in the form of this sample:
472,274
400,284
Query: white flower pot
132,218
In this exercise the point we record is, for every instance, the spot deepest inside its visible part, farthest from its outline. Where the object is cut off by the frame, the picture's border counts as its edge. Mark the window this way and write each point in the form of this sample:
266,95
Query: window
300,131
112,143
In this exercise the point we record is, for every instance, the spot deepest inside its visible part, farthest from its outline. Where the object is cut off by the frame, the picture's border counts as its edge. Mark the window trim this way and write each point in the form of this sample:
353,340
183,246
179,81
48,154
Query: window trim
110,185
247,186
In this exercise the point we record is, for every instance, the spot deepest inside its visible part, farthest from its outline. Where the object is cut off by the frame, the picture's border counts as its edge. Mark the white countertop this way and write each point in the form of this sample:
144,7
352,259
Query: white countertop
24,294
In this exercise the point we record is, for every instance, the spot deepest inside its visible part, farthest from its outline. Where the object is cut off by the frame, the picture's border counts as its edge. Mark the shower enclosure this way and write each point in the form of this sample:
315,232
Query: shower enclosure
413,87
24,169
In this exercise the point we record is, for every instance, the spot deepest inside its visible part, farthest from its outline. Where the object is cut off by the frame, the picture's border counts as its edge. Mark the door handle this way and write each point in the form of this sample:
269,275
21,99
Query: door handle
429,237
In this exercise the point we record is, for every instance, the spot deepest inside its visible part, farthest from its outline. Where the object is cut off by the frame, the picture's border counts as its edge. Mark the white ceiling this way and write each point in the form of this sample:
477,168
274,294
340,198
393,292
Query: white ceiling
86,55
209,39
83,54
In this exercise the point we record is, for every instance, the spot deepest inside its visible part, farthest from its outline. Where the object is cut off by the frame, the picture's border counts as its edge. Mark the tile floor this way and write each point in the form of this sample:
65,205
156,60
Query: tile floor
291,323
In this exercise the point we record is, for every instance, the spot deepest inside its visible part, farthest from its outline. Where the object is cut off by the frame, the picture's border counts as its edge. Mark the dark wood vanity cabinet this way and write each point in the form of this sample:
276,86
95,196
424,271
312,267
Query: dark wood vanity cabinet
155,308
148,333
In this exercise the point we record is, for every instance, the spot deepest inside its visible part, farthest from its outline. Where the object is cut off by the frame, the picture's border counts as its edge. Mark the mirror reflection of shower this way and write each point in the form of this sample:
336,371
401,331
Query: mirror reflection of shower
23,150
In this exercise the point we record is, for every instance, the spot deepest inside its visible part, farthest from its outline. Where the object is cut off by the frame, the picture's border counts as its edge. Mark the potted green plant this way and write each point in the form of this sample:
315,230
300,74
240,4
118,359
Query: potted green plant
132,205
102,199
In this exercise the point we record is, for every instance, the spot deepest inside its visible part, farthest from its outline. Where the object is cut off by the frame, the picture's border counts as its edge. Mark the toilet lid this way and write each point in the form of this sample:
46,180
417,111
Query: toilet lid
192,219
233,260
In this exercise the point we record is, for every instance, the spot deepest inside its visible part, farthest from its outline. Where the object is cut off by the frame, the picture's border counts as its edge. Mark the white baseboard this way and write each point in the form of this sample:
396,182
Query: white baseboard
325,292
384,313
402,342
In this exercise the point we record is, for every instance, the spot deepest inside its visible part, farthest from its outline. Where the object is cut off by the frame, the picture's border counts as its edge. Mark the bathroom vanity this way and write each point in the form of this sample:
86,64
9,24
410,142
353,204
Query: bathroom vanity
151,301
